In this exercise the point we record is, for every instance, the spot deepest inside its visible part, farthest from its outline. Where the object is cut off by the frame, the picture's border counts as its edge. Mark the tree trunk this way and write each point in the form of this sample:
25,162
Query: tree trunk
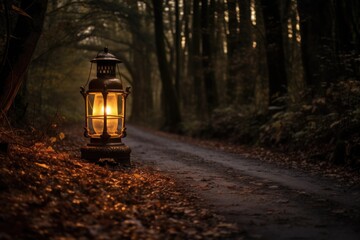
221,58
348,37
207,24
177,48
317,41
171,111
143,106
292,46
261,73
21,48
195,58
274,50
246,94
232,52
186,91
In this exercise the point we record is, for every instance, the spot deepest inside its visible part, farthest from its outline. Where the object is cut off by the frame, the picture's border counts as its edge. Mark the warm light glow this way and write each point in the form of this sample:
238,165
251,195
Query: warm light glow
290,30
111,111
298,35
238,13
226,18
141,6
253,12
254,44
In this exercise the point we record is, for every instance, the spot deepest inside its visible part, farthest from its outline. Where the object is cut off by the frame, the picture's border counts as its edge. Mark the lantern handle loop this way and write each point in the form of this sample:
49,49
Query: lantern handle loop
87,82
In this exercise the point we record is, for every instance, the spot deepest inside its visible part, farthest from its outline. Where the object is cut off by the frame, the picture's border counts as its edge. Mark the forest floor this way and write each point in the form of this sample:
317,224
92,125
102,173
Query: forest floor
48,192
176,188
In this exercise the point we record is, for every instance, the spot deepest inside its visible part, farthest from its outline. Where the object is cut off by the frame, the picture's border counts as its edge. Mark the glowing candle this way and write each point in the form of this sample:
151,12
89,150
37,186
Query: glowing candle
111,112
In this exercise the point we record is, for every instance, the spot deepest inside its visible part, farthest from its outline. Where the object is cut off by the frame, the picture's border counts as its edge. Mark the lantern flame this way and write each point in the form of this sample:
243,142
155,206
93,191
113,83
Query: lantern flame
111,110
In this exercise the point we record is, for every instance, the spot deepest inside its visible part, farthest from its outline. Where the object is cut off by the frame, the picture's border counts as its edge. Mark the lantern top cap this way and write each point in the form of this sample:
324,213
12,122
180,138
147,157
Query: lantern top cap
105,56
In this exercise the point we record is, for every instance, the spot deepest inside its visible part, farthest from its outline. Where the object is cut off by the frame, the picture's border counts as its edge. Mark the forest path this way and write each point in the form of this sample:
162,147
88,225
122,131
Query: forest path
266,201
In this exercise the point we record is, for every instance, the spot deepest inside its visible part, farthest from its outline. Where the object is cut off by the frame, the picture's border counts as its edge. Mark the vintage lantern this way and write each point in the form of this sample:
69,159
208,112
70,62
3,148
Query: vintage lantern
105,112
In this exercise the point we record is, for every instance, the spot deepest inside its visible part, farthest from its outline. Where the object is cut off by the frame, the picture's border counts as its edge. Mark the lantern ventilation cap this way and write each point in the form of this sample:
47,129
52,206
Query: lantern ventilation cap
105,56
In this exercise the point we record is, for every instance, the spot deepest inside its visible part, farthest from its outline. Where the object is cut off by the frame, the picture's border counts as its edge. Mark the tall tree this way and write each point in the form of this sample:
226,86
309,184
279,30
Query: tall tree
220,53
261,74
187,90
274,49
240,87
292,40
246,94
171,111
207,39
348,37
317,40
195,57
232,51
177,47
20,50
142,107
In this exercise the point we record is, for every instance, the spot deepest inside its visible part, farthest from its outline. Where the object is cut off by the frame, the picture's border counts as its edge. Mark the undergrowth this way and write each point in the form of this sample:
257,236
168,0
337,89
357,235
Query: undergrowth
325,127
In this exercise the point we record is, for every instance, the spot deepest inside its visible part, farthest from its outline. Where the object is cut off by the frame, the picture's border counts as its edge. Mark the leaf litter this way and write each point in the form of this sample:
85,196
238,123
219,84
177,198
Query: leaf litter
51,194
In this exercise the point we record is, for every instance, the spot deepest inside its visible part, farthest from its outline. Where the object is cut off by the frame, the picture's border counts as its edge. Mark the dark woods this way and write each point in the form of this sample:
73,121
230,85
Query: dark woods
283,74
20,35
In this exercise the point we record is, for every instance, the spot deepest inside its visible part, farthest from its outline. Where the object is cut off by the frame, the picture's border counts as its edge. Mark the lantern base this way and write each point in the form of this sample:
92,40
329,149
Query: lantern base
120,154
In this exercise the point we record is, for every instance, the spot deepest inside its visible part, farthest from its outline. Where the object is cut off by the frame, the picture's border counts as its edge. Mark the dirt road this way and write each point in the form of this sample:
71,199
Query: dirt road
264,200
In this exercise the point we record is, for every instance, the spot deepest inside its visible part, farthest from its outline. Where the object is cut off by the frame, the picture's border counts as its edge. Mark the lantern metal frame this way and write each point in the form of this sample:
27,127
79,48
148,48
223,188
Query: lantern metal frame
105,145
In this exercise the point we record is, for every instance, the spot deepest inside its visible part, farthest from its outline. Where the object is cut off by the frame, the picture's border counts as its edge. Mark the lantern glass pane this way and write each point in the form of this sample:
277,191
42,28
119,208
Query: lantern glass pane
113,110
120,112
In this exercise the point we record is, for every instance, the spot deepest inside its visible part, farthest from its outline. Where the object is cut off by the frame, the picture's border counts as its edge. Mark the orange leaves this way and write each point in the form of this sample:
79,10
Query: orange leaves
60,137
41,150
42,165
55,196
49,149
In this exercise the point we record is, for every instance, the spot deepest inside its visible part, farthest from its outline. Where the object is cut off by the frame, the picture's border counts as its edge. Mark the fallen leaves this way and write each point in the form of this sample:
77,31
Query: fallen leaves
42,165
61,136
50,194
